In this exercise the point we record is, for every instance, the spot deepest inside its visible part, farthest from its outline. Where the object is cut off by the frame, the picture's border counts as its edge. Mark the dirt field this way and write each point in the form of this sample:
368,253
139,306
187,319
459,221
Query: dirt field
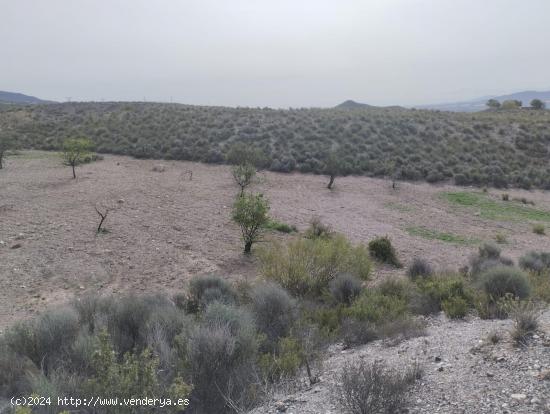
167,227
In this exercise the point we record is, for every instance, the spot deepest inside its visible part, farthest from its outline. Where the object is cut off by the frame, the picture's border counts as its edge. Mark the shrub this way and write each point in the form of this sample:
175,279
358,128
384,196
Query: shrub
445,292
455,307
535,261
382,250
373,388
281,227
355,332
220,356
204,290
488,257
317,229
500,238
376,307
500,281
526,317
45,340
250,212
345,288
539,229
274,311
306,266
419,267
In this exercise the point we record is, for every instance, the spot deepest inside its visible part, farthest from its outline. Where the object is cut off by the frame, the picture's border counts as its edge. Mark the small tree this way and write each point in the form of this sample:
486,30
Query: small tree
333,168
6,144
250,212
493,104
537,104
243,175
75,151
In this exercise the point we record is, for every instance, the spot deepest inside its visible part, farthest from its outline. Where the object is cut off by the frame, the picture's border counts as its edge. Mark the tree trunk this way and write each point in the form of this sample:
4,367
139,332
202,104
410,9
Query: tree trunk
247,247
329,186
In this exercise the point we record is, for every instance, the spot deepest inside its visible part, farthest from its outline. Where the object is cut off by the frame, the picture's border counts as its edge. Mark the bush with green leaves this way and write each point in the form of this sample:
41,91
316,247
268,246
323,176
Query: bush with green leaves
305,267
448,293
500,281
383,251
75,151
250,212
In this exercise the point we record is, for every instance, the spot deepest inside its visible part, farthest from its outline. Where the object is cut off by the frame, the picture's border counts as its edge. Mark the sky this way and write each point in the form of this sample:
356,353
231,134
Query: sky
277,53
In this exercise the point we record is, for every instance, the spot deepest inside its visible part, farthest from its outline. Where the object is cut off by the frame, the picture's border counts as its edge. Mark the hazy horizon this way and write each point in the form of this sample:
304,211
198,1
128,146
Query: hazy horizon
276,54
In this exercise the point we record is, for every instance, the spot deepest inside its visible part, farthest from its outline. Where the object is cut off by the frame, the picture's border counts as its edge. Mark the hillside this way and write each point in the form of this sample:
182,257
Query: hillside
19,98
479,104
507,148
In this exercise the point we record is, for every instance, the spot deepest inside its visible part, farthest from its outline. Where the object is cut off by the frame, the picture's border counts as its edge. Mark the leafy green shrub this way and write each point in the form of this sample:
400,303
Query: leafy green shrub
306,266
375,307
274,311
373,388
455,307
445,292
382,250
206,289
500,281
419,268
539,229
250,212
345,288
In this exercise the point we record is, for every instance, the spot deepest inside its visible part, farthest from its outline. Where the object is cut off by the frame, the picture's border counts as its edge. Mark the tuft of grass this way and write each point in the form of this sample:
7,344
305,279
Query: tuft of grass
436,235
492,209
281,227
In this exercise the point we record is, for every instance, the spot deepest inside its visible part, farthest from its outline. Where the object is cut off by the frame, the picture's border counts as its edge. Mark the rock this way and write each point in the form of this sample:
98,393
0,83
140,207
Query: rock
519,397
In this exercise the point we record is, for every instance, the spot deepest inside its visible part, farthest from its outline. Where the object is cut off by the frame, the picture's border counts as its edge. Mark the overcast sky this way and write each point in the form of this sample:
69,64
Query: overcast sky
276,53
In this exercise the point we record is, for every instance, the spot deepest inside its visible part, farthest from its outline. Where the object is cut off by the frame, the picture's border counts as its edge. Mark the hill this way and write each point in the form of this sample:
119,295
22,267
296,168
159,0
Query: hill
479,104
19,98
506,148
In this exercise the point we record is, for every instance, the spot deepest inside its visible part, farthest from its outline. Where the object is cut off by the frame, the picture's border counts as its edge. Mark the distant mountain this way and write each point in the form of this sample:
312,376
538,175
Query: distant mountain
349,104
479,104
19,98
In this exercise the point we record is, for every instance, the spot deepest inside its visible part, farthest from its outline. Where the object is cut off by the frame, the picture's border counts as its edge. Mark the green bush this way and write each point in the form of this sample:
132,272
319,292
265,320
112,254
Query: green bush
382,250
500,281
455,307
307,266
445,292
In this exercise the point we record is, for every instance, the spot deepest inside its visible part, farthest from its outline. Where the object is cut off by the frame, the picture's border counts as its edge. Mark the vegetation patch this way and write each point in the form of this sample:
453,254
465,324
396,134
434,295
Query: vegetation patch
431,234
492,209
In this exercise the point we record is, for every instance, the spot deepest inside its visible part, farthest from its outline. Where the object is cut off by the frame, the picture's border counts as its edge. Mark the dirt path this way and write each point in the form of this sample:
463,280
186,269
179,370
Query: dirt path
167,227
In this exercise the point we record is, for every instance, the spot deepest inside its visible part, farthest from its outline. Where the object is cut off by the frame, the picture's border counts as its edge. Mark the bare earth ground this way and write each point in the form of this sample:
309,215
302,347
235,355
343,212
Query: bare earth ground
168,228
